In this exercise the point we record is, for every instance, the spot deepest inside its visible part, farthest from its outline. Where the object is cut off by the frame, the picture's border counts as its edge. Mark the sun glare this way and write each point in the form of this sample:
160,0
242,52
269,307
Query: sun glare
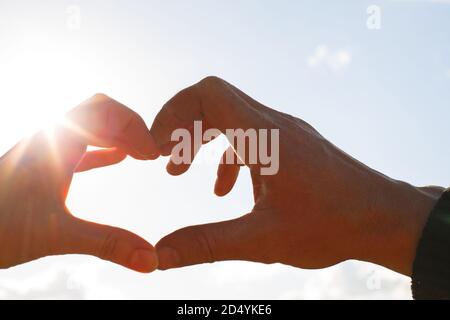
36,85
39,86
40,82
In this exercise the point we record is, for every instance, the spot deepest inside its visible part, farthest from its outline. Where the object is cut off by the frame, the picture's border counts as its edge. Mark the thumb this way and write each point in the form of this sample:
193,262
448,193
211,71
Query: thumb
239,239
100,158
107,243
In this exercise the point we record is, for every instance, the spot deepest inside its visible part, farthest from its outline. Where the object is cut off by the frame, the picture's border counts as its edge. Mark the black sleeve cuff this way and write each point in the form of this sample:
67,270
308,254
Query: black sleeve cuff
431,269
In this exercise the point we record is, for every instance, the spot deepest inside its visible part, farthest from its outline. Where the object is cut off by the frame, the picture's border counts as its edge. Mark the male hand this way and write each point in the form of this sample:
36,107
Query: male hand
35,177
321,208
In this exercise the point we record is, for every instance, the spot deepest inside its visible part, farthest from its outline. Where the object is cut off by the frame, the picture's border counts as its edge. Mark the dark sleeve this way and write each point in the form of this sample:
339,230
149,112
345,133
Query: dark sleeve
431,269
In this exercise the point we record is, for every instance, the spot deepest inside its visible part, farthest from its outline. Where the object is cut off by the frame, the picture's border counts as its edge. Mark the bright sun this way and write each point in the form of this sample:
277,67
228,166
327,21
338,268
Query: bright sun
39,86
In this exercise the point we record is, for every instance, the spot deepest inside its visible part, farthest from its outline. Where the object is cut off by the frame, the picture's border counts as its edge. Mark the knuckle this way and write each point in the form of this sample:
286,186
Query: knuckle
131,120
207,243
100,96
138,120
210,81
108,246
53,230
95,110
102,105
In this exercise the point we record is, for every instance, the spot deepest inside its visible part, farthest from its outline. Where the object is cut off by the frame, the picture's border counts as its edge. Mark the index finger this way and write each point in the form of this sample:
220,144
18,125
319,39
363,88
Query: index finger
103,122
214,102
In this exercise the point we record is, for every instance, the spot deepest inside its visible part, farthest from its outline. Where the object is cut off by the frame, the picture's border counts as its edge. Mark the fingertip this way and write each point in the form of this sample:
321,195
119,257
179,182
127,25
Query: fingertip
144,260
153,152
118,156
149,156
153,156
168,258
221,193
220,190
176,169
150,153
108,243
166,150
139,155
139,141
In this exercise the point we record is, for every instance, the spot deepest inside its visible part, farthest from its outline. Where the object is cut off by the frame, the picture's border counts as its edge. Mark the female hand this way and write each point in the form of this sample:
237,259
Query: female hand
35,177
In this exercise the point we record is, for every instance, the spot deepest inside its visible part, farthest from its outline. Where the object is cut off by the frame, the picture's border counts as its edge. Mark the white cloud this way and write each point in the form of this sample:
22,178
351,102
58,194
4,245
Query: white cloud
60,282
447,73
350,280
241,272
335,60
239,280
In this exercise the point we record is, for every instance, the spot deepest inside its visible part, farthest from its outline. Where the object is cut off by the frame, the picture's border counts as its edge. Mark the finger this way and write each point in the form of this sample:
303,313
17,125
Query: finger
49,155
227,173
239,239
103,122
100,158
105,242
183,152
213,102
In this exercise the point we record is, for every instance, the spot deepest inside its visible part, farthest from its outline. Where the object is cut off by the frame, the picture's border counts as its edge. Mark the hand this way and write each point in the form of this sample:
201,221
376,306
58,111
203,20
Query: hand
323,207
35,177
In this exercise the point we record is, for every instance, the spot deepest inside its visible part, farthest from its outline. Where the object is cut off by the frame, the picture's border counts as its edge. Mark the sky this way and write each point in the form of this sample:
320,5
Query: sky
381,94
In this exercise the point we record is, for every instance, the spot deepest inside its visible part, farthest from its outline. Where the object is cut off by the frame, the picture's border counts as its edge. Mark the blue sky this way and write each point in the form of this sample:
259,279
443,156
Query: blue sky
381,95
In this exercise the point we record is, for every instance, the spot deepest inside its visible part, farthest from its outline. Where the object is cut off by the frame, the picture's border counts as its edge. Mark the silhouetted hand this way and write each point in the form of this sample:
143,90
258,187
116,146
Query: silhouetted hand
321,208
35,177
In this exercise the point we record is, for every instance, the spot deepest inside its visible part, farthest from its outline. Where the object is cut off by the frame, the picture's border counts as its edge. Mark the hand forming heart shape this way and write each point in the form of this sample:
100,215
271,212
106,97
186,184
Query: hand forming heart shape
322,207
35,177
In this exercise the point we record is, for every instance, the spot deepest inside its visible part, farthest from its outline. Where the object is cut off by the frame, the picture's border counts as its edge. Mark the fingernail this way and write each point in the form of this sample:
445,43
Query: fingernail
144,261
152,156
168,258
148,155
154,153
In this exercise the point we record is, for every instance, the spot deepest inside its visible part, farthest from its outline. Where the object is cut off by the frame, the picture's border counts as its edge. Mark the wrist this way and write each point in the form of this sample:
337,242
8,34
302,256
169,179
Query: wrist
431,268
397,218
